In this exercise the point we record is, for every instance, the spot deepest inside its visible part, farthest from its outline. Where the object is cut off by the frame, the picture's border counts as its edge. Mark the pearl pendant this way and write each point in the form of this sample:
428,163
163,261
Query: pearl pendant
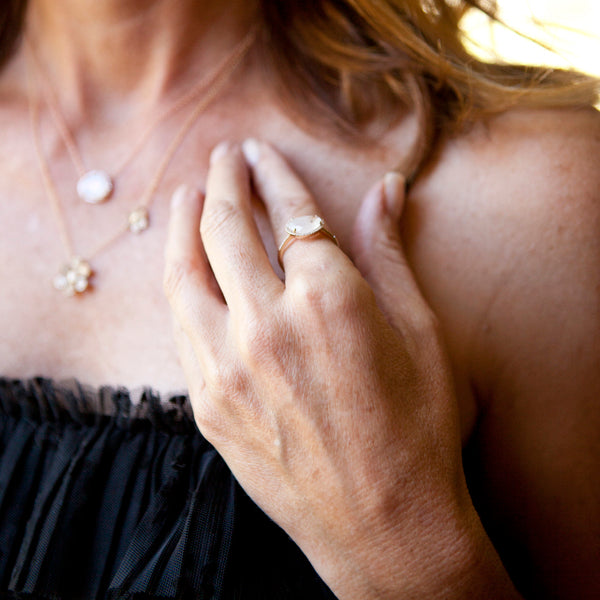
94,187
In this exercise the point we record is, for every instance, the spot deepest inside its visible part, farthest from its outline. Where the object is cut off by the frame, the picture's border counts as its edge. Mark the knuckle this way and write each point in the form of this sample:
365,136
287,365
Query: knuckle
210,421
219,216
225,380
176,274
306,291
259,339
333,292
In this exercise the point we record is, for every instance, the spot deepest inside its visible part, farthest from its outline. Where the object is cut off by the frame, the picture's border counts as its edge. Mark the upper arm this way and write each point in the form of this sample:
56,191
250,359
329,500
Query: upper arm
504,236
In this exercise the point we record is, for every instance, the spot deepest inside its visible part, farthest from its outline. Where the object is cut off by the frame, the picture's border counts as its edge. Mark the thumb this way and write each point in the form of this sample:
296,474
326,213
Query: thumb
379,255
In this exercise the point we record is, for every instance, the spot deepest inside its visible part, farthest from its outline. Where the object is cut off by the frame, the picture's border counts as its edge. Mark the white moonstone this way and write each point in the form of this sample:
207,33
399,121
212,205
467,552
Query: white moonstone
305,225
94,187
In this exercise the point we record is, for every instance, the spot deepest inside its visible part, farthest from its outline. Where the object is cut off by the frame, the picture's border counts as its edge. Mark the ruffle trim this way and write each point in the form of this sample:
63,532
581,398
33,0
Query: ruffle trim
43,400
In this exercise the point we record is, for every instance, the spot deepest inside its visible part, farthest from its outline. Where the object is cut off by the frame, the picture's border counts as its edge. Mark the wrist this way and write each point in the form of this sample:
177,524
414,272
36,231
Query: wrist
451,559
467,566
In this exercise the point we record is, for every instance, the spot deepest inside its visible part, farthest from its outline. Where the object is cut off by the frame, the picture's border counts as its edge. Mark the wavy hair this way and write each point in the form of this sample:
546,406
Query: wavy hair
356,63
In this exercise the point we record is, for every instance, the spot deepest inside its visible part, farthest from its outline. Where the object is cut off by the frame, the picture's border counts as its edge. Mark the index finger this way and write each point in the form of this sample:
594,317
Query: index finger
230,235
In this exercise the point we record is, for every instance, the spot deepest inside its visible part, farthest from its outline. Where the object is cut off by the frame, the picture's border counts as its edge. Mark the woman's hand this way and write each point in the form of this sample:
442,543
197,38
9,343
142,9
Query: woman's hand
329,397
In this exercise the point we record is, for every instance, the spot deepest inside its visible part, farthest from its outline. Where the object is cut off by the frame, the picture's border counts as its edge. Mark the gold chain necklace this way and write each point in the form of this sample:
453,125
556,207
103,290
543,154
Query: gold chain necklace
74,276
94,185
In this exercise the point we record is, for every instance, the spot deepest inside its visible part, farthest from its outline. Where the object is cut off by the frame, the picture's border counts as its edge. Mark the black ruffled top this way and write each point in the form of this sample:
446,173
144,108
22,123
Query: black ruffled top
105,497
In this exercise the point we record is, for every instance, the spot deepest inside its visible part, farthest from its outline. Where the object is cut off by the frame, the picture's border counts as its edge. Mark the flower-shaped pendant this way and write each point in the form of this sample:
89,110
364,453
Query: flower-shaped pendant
73,278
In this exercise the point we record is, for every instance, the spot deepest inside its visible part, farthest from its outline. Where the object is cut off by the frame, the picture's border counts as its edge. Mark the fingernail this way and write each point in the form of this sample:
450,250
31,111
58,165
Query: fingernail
251,150
393,188
218,151
179,195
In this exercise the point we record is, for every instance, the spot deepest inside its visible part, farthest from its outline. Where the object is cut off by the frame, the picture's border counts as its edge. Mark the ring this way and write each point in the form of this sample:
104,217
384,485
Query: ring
303,227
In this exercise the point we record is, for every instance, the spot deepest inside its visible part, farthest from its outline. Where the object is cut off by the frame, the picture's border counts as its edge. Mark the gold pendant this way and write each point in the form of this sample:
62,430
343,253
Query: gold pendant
139,220
73,278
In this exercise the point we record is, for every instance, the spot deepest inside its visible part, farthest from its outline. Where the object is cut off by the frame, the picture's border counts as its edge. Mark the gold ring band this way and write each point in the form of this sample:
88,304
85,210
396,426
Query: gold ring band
303,227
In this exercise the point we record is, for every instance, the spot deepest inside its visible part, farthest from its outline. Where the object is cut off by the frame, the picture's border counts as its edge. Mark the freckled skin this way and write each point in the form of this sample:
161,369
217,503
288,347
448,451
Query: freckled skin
501,232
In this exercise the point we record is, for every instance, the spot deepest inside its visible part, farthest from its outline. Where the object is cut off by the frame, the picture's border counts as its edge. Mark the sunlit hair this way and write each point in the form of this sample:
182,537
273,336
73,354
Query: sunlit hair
354,64
364,61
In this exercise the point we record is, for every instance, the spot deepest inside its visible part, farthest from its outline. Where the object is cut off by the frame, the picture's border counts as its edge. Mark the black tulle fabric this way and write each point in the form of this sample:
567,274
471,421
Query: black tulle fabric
105,497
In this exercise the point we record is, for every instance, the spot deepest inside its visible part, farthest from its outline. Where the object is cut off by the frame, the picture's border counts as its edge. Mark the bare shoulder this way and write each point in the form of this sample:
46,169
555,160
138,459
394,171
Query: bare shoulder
504,235
508,216
518,162
552,156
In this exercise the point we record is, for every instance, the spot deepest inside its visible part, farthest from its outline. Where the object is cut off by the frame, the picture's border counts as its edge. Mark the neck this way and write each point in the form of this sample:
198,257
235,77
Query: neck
106,53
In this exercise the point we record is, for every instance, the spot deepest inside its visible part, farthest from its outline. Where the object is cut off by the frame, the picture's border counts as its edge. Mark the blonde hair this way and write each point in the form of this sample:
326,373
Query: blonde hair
356,62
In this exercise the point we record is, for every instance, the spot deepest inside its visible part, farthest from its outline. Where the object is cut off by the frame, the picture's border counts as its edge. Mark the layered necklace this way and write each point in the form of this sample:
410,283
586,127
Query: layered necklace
95,186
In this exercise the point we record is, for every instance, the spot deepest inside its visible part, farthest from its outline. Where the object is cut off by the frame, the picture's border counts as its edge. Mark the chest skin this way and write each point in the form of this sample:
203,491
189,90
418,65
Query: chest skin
120,333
